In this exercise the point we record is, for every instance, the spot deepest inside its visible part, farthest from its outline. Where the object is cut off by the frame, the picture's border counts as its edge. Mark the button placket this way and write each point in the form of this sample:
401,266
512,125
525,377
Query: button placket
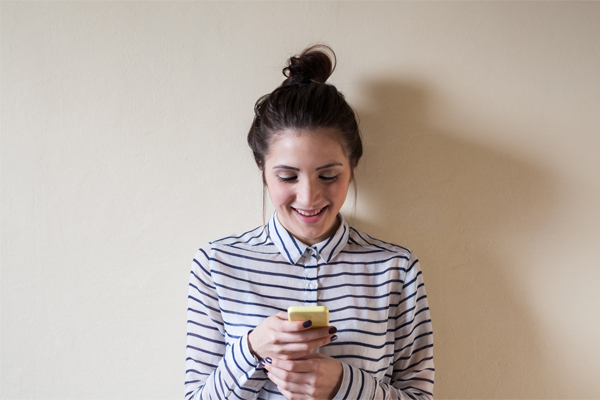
310,273
305,262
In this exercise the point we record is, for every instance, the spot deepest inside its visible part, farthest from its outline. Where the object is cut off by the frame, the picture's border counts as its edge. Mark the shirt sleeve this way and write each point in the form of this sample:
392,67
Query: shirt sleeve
413,370
216,368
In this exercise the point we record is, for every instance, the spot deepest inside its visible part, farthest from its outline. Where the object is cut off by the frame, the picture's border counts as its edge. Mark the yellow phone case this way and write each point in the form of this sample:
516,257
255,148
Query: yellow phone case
319,315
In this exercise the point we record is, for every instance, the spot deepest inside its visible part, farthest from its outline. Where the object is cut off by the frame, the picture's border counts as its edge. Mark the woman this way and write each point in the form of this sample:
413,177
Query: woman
240,345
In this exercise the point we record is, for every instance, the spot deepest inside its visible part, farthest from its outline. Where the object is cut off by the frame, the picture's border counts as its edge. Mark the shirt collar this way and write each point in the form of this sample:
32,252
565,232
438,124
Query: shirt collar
293,249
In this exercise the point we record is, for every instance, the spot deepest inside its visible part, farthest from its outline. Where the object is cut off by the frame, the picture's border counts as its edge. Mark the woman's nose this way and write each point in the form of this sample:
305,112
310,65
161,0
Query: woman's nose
309,193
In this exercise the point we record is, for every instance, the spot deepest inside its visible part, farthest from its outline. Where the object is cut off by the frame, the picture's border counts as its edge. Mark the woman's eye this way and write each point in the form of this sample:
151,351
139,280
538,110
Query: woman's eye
329,178
286,178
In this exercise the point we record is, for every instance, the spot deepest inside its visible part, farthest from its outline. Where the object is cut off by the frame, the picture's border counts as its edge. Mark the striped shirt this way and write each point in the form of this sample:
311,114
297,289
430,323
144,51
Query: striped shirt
374,291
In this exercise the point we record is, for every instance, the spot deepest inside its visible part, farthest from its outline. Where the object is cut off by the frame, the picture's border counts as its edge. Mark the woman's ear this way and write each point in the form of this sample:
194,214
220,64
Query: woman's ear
262,171
264,179
352,175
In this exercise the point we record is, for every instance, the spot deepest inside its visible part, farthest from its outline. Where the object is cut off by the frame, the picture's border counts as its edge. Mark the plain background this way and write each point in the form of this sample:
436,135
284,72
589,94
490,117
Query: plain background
123,151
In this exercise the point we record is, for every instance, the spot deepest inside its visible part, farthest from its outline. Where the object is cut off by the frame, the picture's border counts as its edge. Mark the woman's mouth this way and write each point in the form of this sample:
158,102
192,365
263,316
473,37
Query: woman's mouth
310,216
308,213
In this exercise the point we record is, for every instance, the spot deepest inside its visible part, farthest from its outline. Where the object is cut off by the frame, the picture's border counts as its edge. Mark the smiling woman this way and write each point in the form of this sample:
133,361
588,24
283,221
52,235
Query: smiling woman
240,344
308,174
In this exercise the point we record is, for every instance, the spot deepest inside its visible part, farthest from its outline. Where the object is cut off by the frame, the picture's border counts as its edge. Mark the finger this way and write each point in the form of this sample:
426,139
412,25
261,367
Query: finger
282,315
296,333
283,325
294,326
293,396
321,341
309,339
299,372
290,381
298,366
292,351
301,349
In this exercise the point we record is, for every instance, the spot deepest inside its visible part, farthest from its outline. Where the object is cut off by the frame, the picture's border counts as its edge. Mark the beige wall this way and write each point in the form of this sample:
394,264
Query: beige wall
123,150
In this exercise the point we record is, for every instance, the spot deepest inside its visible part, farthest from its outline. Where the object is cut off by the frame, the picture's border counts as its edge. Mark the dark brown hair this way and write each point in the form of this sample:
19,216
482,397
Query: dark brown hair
305,102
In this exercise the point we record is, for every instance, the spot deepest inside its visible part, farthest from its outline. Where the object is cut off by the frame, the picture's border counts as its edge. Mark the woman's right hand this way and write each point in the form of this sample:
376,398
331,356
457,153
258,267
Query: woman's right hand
287,340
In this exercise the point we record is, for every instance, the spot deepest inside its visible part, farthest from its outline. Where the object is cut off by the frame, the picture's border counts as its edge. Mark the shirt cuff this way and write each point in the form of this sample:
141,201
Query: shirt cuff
256,359
356,384
244,351
252,375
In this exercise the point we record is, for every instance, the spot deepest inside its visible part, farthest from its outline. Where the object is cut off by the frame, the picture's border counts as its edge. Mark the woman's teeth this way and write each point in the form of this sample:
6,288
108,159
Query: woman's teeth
307,214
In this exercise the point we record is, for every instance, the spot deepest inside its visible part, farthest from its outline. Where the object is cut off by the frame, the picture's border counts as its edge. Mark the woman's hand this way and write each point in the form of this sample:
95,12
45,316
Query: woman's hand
276,337
312,377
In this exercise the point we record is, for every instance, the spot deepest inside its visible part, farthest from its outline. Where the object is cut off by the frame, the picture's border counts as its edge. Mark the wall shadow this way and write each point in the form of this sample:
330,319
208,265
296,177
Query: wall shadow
460,206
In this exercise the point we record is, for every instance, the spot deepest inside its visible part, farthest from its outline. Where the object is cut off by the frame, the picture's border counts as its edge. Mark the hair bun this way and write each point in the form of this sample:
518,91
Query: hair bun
313,65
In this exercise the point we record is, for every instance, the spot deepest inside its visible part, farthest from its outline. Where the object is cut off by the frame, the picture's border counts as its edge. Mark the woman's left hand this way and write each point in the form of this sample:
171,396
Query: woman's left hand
312,377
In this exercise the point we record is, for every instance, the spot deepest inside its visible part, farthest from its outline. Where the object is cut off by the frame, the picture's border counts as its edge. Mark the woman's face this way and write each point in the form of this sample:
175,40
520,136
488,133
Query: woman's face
308,175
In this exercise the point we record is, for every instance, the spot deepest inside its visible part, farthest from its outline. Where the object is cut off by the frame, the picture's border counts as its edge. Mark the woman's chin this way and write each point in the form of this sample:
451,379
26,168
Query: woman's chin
315,232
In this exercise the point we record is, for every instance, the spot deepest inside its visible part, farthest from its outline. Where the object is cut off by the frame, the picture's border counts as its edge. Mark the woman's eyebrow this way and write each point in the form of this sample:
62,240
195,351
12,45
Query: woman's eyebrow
329,166
286,167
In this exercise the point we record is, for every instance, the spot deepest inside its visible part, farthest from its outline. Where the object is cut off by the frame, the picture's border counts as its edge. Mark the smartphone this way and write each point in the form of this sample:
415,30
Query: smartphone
319,315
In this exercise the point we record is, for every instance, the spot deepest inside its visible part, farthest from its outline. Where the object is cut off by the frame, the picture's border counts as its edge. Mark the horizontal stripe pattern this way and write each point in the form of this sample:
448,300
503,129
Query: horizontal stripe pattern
373,289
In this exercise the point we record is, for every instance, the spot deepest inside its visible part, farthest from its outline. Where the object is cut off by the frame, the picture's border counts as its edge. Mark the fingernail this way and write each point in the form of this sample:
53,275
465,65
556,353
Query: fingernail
307,324
334,338
332,330
266,372
268,359
262,362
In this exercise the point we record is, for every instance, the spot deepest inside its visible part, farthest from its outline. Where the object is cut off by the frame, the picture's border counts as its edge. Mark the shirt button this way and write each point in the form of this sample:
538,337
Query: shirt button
312,285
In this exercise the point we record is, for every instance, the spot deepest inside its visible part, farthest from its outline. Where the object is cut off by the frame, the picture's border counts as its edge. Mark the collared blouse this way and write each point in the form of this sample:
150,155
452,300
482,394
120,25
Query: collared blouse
374,291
